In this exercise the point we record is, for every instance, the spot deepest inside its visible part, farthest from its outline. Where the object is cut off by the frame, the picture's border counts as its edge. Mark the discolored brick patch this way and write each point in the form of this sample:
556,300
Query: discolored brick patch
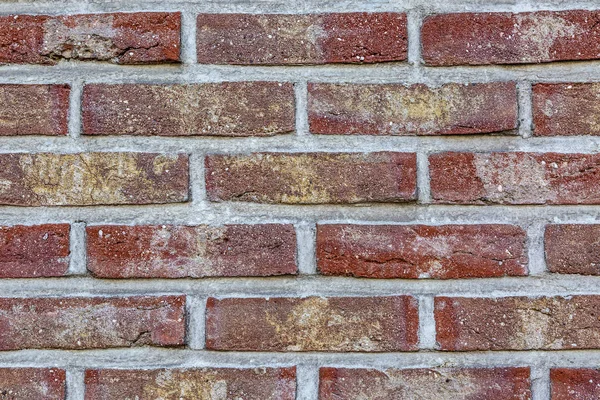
32,383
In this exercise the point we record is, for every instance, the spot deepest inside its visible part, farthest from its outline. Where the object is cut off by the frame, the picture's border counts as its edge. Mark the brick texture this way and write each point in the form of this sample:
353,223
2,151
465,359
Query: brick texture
278,39
573,249
419,251
425,384
368,324
211,109
392,109
575,383
115,251
32,383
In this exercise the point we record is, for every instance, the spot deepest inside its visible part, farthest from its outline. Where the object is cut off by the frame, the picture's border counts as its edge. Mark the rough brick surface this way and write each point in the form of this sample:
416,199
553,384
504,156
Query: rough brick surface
573,249
115,251
205,383
575,384
46,179
94,322
419,251
425,384
312,178
211,109
362,324
566,109
394,109
34,251
301,39
517,323
34,110
135,38
505,38
32,383
515,178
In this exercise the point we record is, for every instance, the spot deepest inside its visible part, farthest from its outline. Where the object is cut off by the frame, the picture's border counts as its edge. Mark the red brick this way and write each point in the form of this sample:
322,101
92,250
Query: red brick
419,251
566,109
425,384
34,251
204,383
34,109
210,109
32,383
115,251
505,38
363,324
514,178
575,384
91,322
517,323
136,38
312,178
573,249
301,39
46,179
395,109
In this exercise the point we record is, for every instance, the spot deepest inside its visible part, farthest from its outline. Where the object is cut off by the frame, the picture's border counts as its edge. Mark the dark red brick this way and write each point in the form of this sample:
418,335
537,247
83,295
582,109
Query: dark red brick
32,384
575,384
363,324
573,249
301,39
395,109
505,38
419,251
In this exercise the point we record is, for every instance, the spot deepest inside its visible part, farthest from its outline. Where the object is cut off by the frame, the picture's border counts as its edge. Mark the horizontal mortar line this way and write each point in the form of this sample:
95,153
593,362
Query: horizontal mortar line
147,358
303,286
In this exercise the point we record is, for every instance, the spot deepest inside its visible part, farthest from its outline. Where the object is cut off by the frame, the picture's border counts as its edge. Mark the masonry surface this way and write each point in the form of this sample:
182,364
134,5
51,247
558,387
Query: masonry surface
299,200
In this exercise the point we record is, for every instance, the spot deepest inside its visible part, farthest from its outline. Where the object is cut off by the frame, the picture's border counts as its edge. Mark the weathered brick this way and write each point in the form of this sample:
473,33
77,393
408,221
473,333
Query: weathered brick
115,251
566,109
32,384
515,178
575,384
419,251
46,179
505,38
573,248
210,109
363,324
425,384
34,109
135,38
312,178
517,323
395,109
205,383
34,251
301,39
91,322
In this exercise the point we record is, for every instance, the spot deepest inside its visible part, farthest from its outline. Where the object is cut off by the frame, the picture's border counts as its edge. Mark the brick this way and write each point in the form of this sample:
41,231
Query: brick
115,251
505,38
312,178
395,109
419,251
514,178
91,322
32,383
425,384
517,323
573,249
210,109
278,39
204,383
34,251
133,38
566,109
34,110
46,179
575,384
357,324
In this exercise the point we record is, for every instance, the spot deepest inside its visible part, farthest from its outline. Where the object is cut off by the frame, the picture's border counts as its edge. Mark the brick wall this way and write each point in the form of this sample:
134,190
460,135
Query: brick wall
308,200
